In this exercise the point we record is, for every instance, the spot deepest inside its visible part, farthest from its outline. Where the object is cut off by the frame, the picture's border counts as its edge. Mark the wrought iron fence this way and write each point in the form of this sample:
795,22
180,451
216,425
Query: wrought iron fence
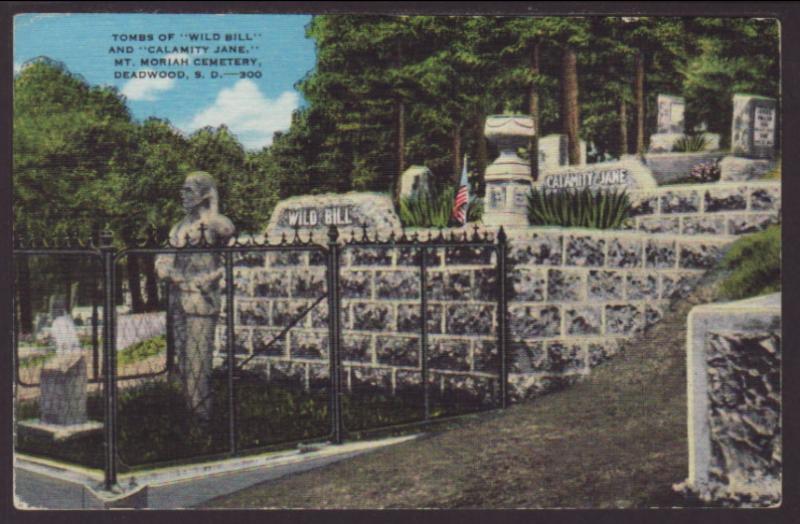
121,383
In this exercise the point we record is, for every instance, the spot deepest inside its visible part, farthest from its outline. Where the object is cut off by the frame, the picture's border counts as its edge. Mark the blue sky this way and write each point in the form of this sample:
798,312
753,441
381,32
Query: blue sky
253,108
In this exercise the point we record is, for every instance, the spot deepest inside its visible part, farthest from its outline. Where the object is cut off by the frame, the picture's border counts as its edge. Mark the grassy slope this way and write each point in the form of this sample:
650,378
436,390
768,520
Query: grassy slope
617,439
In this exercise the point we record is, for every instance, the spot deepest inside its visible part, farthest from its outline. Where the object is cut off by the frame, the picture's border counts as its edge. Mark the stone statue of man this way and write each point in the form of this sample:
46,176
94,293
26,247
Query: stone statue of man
195,295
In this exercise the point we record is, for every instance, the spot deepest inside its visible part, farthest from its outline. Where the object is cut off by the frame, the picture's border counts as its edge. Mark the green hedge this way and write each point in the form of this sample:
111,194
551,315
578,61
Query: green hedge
754,263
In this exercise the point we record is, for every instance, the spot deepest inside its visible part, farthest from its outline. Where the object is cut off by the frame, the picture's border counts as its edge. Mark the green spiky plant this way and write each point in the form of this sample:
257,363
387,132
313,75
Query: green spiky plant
433,208
690,144
599,209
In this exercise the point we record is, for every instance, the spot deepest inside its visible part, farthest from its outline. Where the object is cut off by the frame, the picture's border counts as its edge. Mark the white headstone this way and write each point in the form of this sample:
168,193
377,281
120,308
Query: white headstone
554,152
670,114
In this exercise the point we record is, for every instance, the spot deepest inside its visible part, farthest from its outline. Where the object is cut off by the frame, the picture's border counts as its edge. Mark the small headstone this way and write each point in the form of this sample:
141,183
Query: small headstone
628,173
414,181
347,211
670,114
753,126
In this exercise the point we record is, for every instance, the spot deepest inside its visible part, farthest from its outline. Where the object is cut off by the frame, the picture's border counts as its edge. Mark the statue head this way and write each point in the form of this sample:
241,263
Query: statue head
199,191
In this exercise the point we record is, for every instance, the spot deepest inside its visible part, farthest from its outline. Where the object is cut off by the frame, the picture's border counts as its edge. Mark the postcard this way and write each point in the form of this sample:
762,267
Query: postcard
373,261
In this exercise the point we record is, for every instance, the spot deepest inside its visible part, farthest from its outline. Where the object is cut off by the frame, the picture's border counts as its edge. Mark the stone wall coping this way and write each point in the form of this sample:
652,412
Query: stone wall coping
764,303
725,184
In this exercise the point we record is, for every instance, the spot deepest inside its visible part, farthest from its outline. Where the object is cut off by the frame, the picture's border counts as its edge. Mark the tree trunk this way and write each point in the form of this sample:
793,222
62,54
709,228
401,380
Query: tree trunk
24,296
400,111
623,127
570,116
457,154
401,137
134,284
533,107
151,283
639,88
483,155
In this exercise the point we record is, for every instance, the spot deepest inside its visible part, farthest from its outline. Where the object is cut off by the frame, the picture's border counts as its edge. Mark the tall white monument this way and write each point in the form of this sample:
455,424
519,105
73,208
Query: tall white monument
508,178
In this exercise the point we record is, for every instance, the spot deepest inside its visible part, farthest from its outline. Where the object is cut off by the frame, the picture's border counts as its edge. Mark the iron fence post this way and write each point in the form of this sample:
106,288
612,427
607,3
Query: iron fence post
423,338
230,348
170,335
95,334
108,253
334,334
502,315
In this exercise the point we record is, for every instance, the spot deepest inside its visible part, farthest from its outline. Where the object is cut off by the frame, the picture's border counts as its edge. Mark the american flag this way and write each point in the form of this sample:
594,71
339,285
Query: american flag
461,202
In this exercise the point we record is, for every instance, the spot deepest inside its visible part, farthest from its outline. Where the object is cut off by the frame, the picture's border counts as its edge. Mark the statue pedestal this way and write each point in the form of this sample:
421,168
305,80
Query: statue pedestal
62,405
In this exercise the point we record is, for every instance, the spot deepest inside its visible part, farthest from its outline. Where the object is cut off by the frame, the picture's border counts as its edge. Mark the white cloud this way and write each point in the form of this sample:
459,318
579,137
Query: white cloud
17,67
245,110
146,88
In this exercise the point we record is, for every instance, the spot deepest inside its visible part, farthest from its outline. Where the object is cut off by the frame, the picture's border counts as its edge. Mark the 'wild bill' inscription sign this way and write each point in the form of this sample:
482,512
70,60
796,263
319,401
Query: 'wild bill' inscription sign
346,211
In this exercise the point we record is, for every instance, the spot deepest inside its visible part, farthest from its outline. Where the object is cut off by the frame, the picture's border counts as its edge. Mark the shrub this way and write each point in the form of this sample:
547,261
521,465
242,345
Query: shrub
705,172
774,173
600,209
433,209
754,262
690,144
142,350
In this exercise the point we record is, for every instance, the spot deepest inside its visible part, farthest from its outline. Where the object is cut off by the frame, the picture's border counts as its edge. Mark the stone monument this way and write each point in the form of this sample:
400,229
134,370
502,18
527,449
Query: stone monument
62,405
195,294
508,178
753,138
670,123
414,181
313,214
627,173
753,126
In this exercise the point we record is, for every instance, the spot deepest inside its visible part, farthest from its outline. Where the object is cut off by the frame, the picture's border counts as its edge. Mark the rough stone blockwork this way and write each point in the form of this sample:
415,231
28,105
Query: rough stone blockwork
722,208
574,294
734,383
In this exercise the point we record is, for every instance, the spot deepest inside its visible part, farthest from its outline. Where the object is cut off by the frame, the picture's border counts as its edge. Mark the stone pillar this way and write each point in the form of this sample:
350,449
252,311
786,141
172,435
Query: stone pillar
733,392
753,126
508,178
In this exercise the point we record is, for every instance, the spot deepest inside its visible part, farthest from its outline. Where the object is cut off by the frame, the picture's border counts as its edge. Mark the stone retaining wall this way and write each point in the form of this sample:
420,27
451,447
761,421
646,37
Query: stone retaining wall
721,208
574,295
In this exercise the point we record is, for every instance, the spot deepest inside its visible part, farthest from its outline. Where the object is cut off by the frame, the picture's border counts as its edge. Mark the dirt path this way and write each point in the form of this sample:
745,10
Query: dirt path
616,439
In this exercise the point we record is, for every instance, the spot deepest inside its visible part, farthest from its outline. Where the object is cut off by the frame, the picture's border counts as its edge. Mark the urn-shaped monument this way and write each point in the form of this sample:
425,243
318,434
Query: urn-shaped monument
508,178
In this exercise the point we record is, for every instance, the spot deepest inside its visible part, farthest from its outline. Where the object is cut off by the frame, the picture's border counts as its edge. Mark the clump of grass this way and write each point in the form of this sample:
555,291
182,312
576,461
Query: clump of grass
755,265
142,350
774,173
600,209
690,144
433,208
